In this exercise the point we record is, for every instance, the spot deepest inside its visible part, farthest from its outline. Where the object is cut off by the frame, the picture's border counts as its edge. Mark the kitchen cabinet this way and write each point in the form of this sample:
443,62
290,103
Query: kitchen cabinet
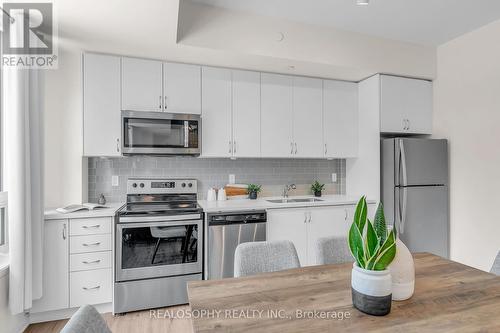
405,105
246,113
307,117
340,119
276,115
142,88
304,226
216,112
101,105
77,263
55,281
182,88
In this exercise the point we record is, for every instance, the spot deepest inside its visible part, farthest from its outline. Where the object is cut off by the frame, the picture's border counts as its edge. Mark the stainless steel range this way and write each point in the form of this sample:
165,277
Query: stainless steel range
158,244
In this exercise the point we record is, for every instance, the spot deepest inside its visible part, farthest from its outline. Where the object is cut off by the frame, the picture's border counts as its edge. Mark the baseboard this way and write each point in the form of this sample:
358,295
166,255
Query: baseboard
41,317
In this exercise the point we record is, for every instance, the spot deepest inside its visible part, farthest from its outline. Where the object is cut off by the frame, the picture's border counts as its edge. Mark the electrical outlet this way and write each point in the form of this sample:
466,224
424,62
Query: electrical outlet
232,179
334,177
114,181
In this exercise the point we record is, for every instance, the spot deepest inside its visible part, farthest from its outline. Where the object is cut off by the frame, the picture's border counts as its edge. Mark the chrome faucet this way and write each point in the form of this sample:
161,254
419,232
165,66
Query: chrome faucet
287,188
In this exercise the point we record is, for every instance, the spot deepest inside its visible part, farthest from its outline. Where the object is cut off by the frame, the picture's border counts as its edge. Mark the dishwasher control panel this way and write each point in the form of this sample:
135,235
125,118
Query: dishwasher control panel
237,217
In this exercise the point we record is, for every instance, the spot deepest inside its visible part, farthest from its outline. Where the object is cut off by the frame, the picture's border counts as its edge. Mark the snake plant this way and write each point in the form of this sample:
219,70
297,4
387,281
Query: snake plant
371,245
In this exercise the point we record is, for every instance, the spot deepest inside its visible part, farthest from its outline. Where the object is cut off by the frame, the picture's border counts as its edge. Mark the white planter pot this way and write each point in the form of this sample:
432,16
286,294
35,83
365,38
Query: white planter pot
402,271
371,291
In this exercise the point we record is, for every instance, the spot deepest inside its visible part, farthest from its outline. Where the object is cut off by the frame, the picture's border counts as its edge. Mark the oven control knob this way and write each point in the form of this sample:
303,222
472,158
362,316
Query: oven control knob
141,185
190,185
134,185
183,184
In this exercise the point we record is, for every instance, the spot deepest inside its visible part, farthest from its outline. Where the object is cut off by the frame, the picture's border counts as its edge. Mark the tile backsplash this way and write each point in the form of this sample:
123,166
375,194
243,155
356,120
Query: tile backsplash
271,173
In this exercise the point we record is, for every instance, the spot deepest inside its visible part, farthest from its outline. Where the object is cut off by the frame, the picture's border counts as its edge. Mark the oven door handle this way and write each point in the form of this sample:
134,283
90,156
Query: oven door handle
136,219
122,226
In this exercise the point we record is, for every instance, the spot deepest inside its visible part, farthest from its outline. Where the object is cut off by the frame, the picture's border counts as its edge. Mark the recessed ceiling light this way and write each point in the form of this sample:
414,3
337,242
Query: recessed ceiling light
362,2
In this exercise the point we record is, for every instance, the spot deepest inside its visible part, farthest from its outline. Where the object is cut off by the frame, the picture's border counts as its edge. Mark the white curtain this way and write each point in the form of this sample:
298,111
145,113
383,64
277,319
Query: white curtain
23,180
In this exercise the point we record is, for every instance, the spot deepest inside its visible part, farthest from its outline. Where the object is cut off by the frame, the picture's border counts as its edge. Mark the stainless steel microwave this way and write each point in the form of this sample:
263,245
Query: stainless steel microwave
160,133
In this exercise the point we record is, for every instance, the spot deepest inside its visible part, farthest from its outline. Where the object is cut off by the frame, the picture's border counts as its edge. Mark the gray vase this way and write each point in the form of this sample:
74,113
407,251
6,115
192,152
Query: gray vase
371,291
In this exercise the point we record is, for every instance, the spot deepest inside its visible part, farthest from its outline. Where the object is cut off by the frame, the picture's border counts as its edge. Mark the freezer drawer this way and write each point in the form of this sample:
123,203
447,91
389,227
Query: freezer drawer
422,218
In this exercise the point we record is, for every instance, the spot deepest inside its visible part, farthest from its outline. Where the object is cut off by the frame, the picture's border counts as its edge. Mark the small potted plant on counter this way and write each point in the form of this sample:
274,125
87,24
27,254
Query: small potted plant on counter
252,191
317,188
373,249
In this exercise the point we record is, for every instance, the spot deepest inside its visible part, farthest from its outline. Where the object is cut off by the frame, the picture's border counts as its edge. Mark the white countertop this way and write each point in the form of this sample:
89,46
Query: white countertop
110,210
263,204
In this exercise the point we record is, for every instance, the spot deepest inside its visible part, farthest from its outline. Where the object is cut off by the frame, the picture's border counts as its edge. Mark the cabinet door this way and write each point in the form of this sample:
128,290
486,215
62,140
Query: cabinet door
101,105
142,85
307,117
406,105
182,88
289,224
216,112
340,119
246,114
276,115
326,222
55,268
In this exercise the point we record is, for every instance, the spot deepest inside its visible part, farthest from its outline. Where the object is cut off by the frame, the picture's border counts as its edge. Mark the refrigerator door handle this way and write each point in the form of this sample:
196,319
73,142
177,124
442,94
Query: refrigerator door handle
403,211
402,162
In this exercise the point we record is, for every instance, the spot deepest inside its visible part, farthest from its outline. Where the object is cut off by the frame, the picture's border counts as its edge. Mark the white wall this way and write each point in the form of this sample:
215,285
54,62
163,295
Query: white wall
467,112
8,322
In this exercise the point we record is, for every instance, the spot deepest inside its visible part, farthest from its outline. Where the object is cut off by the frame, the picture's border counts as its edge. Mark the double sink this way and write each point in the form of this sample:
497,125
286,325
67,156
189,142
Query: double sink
286,200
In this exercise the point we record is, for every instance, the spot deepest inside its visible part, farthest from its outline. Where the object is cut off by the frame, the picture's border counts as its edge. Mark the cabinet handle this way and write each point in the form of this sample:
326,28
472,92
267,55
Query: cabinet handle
310,217
326,149
291,147
118,145
161,107
91,262
92,244
305,217
64,231
295,148
345,217
230,147
91,288
91,226
408,122
165,103
234,147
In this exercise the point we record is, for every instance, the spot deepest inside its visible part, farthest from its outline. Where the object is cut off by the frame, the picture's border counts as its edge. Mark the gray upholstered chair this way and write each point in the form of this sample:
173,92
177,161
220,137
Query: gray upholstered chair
86,320
332,250
495,269
263,257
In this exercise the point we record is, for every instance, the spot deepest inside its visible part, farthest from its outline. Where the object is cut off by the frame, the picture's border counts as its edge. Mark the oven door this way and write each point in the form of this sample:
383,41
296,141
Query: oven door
158,249
160,133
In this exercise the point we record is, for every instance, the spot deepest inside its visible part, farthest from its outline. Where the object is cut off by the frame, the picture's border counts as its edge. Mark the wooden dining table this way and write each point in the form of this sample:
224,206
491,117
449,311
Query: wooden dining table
449,297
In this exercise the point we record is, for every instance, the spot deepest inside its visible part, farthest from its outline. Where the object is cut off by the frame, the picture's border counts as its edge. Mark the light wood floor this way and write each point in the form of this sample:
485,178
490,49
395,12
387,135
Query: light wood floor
134,322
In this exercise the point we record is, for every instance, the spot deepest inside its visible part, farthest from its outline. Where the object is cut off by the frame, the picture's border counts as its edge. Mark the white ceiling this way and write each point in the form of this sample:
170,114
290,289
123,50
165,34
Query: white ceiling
429,22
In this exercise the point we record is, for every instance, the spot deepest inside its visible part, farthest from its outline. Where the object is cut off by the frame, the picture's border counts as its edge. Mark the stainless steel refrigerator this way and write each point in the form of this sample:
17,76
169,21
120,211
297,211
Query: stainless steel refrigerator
415,192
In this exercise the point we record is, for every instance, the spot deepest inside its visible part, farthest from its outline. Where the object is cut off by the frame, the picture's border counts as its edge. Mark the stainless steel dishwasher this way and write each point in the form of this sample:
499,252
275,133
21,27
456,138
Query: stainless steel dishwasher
224,233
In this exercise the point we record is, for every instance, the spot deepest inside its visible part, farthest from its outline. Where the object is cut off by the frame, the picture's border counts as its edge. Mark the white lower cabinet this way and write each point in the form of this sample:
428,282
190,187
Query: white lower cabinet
77,265
55,268
304,226
90,287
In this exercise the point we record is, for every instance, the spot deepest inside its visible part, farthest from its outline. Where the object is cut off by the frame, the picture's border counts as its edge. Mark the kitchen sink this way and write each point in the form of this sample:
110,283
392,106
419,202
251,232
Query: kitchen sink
294,200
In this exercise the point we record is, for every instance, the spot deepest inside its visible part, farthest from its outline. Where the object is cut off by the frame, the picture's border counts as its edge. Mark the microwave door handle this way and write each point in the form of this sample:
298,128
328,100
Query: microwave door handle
186,134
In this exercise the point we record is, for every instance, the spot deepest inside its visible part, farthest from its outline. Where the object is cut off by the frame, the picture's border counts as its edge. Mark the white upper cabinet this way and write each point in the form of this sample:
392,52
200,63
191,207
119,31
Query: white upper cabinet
182,88
340,119
101,105
216,112
276,115
246,113
307,117
142,88
405,105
